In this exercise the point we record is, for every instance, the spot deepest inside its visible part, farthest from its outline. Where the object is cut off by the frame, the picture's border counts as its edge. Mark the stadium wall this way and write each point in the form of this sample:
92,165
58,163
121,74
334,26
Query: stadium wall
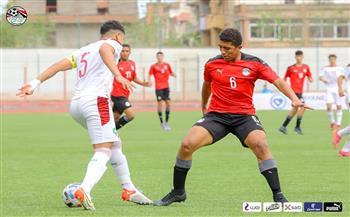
21,65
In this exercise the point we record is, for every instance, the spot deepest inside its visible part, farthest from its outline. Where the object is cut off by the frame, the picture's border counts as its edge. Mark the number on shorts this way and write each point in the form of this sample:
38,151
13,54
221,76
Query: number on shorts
82,73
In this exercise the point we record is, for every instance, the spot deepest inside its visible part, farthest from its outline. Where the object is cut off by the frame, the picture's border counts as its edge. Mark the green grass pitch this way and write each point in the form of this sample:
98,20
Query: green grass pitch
41,153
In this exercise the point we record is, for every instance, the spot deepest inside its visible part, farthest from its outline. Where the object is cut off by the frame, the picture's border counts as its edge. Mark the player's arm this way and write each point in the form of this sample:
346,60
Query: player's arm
288,92
287,75
171,71
149,79
28,89
322,78
340,85
206,91
140,82
107,54
309,75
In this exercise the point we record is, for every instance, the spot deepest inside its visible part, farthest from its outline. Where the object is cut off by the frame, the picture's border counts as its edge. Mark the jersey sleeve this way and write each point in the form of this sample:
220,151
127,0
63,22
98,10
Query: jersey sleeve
308,73
170,69
117,47
287,74
73,58
266,73
207,75
151,70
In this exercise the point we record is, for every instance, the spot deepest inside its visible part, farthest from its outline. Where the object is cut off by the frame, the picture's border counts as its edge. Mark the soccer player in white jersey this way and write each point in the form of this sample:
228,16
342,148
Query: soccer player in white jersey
338,134
90,107
329,75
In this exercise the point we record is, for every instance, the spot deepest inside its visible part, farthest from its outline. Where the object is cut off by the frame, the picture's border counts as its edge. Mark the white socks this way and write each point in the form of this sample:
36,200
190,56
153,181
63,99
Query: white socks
96,168
346,147
345,131
120,166
331,117
339,117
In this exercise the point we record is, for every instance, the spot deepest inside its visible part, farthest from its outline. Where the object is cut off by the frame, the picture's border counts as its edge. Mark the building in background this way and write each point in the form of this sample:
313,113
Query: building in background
77,23
174,19
277,23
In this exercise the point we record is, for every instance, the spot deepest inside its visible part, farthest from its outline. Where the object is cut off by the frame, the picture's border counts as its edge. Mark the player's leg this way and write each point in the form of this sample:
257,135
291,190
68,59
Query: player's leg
206,131
300,115
339,114
329,104
167,113
256,141
124,106
95,114
289,117
121,169
160,106
338,134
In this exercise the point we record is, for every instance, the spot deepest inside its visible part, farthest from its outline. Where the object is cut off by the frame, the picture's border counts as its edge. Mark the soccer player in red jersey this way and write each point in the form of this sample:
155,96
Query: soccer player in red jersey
229,81
119,94
296,74
161,72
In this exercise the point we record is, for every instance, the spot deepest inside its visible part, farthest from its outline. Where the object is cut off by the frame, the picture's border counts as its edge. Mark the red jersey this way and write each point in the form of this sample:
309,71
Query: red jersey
128,71
232,83
296,75
161,73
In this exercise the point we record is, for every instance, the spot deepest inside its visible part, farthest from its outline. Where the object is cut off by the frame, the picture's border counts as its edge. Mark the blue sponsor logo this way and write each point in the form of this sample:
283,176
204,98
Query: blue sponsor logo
313,207
278,101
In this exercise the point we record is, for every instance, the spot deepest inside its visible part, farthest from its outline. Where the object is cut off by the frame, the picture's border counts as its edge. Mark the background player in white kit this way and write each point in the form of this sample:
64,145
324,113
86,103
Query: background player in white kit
338,134
329,75
91,108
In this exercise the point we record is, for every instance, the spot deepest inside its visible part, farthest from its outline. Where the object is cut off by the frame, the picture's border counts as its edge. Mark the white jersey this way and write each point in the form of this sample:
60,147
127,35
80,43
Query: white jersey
331,74
93,76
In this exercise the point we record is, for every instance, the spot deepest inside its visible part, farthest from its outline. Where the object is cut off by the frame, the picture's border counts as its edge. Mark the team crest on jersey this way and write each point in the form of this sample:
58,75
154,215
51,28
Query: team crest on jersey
132,68
121,68
245,71
295,71
219,70
304,70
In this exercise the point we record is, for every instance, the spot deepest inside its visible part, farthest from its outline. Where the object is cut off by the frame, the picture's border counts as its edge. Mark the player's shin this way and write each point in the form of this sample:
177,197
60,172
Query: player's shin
96,168
268,169
299,119
339,117
120,166
287,120
167,114
180,172
122,121
345,131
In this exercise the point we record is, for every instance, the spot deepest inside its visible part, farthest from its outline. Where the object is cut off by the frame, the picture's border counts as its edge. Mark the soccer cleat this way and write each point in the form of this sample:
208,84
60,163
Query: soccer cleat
336,139
135,196
167,127
170,198
298,130
85,199
163,126
279,197
283,130
344,153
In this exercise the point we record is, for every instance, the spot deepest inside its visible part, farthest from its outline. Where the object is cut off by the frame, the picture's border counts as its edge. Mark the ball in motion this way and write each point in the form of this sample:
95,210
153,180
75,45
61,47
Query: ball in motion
68,195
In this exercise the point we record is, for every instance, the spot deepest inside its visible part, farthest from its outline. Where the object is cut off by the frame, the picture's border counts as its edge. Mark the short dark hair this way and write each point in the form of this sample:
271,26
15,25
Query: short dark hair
231,35
111,24
160,52
332,55
126,45
298,53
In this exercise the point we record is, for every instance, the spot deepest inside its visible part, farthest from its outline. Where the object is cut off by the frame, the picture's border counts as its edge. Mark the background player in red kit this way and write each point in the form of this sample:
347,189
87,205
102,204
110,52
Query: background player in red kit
229,79
161,72
120,95
296,74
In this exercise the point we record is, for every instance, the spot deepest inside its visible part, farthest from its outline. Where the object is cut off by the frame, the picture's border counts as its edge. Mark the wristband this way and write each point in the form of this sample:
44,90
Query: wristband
34,84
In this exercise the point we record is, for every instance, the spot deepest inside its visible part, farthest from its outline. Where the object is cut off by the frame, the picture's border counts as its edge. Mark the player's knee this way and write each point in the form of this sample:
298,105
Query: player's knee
260,147
187,146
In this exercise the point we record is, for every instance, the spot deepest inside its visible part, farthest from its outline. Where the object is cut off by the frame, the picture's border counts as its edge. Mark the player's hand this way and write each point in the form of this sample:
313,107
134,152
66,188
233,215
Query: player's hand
298,103
174,75
26,89
126,83
341,93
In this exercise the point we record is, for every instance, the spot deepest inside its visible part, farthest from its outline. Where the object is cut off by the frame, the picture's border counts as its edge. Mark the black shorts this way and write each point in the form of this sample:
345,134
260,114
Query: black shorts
300,96
120,103
163,94
221,124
